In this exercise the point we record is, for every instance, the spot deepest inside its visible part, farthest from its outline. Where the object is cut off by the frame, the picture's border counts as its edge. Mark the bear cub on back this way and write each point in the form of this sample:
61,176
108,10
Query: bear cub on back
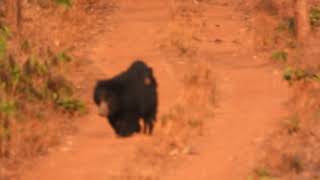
127,97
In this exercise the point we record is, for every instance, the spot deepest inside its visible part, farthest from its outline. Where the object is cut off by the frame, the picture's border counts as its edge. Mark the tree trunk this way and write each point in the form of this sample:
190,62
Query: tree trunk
302,21
13,13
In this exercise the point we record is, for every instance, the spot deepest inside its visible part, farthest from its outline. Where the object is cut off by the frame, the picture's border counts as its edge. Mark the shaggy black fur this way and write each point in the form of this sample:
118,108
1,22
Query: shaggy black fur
127,97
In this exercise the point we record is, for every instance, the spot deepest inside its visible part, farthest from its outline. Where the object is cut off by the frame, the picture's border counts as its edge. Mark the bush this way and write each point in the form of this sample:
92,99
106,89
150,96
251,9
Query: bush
24,89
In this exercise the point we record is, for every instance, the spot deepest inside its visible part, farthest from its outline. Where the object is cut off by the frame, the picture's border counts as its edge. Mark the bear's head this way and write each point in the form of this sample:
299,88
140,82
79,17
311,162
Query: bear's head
105,97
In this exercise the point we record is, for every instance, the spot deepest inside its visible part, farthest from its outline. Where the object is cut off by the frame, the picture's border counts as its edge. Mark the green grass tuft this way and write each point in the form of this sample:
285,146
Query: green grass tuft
280,55
298,74
262,174
314,16
3,46
5,31
64,57
287,25
65,3
8,108
33,67
71,105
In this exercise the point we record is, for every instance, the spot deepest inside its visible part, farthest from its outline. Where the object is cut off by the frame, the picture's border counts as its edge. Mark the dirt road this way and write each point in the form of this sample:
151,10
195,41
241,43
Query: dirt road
250,97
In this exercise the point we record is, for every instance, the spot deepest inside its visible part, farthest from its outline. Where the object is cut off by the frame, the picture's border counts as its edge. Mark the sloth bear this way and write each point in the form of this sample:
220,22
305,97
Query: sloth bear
127,97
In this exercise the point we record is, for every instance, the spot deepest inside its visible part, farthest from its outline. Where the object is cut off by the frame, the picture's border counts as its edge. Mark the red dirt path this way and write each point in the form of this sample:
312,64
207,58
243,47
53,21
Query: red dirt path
250,94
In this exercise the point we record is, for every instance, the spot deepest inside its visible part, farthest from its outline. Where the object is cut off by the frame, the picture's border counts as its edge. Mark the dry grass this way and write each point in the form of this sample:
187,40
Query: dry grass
183,34
290,152
37,101
32,138
45,24
33,110
273,33
274,23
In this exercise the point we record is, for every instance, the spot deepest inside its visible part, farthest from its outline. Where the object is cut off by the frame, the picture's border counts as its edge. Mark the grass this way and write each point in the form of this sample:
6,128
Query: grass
183,34
293,124
63,57
7,111
27,88
291,74
291,153
36,80
261,173
4,134
280,56
70,105
315,16
25,45
8,108
33,67
287,25
182,40
64,3
3,46
5,31
4,34
192,122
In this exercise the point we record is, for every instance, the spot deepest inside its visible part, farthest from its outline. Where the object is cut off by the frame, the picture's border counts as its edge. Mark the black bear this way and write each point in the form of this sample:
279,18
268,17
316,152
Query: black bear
127,97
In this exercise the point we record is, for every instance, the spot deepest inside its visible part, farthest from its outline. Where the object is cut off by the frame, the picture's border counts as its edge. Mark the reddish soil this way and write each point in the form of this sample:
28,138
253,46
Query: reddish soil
250,96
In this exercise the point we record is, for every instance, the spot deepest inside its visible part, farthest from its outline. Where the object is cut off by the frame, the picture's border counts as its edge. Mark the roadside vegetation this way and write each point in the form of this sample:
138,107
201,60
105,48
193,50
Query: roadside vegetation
291,152
38,99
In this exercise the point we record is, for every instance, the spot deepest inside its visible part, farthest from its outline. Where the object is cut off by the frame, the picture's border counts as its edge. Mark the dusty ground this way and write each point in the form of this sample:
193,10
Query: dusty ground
250,96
